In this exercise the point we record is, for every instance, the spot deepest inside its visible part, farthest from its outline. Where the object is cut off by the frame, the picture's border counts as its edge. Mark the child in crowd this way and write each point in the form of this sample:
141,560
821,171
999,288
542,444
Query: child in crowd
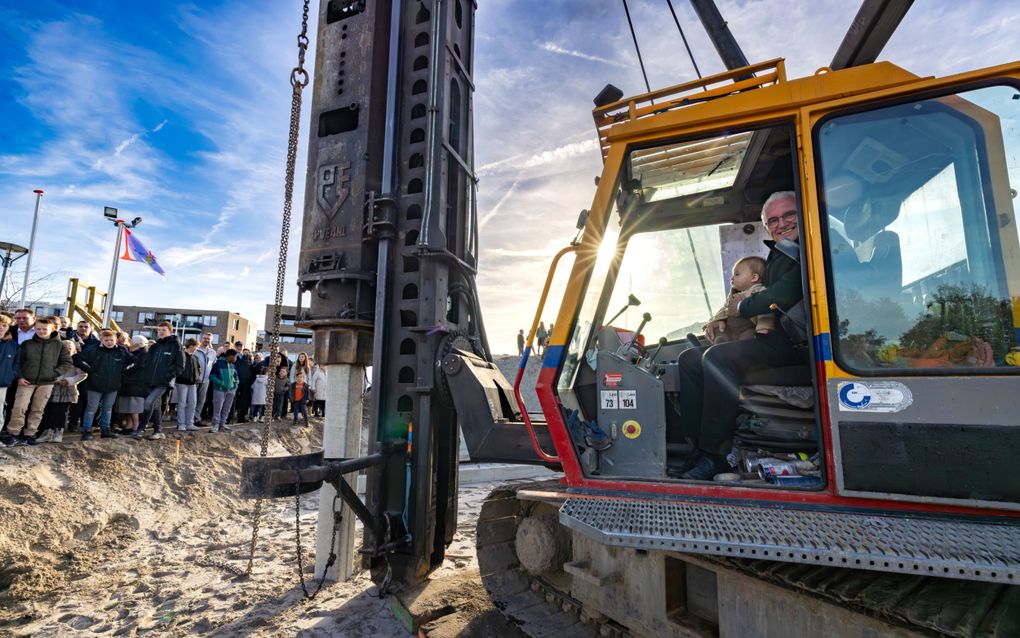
258,395
298,394
280,392
133,388
186,389
744,282
224,382
317,385
105,366
65,393
8,355
41,361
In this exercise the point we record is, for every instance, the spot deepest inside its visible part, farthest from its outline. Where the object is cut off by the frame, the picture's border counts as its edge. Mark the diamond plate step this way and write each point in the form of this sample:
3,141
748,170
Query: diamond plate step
963,550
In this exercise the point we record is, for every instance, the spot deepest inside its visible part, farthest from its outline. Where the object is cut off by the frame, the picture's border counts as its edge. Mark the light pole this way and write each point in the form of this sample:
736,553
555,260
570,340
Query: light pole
120,224
31,247
6,250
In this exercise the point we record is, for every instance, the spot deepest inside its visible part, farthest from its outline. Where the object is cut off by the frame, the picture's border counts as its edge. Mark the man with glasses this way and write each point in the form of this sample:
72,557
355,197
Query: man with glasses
710,376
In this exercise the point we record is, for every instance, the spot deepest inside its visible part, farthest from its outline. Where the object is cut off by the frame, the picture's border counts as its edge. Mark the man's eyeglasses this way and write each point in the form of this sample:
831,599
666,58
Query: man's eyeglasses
788,216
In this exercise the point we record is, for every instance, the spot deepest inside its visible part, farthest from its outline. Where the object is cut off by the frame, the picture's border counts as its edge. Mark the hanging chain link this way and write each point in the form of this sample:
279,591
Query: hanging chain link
298,81
337,518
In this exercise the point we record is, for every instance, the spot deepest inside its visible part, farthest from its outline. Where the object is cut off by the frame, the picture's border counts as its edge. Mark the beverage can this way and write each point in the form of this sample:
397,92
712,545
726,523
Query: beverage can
769,469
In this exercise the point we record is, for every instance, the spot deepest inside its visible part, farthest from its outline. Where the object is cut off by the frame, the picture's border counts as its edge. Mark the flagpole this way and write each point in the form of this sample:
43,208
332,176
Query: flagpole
113,275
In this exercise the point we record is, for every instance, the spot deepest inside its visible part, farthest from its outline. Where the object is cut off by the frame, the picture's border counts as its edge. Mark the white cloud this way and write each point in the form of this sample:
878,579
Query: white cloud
552,47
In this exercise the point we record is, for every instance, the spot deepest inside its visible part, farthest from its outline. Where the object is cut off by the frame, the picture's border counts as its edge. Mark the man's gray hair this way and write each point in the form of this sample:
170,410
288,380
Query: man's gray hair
774,197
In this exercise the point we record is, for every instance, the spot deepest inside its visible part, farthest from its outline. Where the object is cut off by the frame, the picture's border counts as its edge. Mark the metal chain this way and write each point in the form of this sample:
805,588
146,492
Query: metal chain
298,81
337,518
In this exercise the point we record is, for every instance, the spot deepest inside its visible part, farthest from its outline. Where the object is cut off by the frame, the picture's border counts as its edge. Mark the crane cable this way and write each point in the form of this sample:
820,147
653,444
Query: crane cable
636,47
683,37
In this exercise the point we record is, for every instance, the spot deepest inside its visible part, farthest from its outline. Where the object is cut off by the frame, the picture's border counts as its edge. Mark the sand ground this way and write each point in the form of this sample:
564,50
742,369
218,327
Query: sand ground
125,538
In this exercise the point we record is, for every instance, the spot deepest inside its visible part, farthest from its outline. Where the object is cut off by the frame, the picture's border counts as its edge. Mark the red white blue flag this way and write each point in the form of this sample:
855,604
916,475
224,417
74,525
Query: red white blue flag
135,250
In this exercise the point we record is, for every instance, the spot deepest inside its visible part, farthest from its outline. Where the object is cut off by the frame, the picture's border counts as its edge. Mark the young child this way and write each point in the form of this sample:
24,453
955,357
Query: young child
280,392
298,394
41,360
745,281
105,366
259,388
65,394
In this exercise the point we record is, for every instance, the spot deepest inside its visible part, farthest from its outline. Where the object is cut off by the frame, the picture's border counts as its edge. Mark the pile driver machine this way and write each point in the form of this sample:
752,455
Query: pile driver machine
872,491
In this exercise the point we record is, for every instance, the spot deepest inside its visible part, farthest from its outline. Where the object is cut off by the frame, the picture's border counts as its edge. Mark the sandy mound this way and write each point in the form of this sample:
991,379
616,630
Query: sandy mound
124,537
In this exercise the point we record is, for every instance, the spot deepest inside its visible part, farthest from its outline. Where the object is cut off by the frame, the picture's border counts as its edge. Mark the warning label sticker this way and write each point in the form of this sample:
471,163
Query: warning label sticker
612,379
610,400
628,399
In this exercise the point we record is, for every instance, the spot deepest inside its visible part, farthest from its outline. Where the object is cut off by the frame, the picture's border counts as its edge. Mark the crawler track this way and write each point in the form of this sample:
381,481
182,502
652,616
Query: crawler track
536,604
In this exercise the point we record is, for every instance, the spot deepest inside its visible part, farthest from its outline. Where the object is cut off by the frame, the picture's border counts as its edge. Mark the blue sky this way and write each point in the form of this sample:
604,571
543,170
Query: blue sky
178,112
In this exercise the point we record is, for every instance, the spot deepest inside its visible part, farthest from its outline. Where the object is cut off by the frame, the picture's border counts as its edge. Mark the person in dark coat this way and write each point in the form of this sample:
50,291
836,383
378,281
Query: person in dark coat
105,366
163,362
245,377
133,388
186,385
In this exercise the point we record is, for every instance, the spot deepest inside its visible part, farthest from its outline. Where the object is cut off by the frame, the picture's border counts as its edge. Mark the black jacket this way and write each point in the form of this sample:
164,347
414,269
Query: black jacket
105,367
90,344
131,382
245,372
163,362
782,282
190,373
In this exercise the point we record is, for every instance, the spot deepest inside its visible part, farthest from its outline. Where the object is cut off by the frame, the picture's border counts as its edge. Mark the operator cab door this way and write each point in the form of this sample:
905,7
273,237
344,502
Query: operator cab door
684,212
920,320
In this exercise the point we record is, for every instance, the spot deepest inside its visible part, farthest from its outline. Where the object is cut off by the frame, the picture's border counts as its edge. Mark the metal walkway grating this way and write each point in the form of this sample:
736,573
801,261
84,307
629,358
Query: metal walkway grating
963,550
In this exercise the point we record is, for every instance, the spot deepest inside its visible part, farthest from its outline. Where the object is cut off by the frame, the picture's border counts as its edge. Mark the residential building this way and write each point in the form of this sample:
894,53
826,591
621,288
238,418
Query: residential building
225,326
47,309
289,333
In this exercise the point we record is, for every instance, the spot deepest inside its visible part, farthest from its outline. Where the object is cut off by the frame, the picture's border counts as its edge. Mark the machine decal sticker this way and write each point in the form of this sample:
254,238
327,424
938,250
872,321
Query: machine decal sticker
631,429
612,379
610,400
628,399
874,396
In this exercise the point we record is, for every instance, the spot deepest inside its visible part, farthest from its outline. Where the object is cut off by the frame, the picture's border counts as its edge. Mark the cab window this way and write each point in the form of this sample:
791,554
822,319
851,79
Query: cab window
918,199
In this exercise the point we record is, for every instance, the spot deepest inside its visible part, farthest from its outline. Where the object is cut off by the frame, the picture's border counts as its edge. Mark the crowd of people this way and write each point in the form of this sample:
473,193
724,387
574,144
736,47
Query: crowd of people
56,378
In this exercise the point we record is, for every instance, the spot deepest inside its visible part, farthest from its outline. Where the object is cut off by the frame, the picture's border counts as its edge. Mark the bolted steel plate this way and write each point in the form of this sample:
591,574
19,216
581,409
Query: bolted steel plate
931,547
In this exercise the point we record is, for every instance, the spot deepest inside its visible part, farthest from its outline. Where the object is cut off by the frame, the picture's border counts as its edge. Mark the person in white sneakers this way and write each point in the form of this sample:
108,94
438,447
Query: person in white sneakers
185,388
318,388
258,395
64,395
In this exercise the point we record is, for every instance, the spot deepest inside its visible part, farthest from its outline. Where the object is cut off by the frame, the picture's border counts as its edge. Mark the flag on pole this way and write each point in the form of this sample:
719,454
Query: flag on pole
135,250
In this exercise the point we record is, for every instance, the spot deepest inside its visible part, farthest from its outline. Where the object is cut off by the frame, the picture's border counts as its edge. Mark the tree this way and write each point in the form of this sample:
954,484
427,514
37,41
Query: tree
42,287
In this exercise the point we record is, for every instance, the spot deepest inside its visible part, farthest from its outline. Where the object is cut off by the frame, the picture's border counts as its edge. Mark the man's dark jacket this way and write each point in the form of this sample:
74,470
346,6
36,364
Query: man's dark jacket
782,282
163,362
92,343
42,361
105,367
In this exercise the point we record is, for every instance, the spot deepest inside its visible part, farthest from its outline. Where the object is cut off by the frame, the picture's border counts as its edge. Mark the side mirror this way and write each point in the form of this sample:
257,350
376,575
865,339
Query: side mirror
582,219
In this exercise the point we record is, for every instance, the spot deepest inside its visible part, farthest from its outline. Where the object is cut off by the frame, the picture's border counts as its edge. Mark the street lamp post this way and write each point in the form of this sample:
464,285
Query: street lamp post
6,251
120,224
31,247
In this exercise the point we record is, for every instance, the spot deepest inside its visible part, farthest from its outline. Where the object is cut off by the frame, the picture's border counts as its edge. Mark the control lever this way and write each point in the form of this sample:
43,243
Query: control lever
631,301
645,318
651,360
693,340
775,308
